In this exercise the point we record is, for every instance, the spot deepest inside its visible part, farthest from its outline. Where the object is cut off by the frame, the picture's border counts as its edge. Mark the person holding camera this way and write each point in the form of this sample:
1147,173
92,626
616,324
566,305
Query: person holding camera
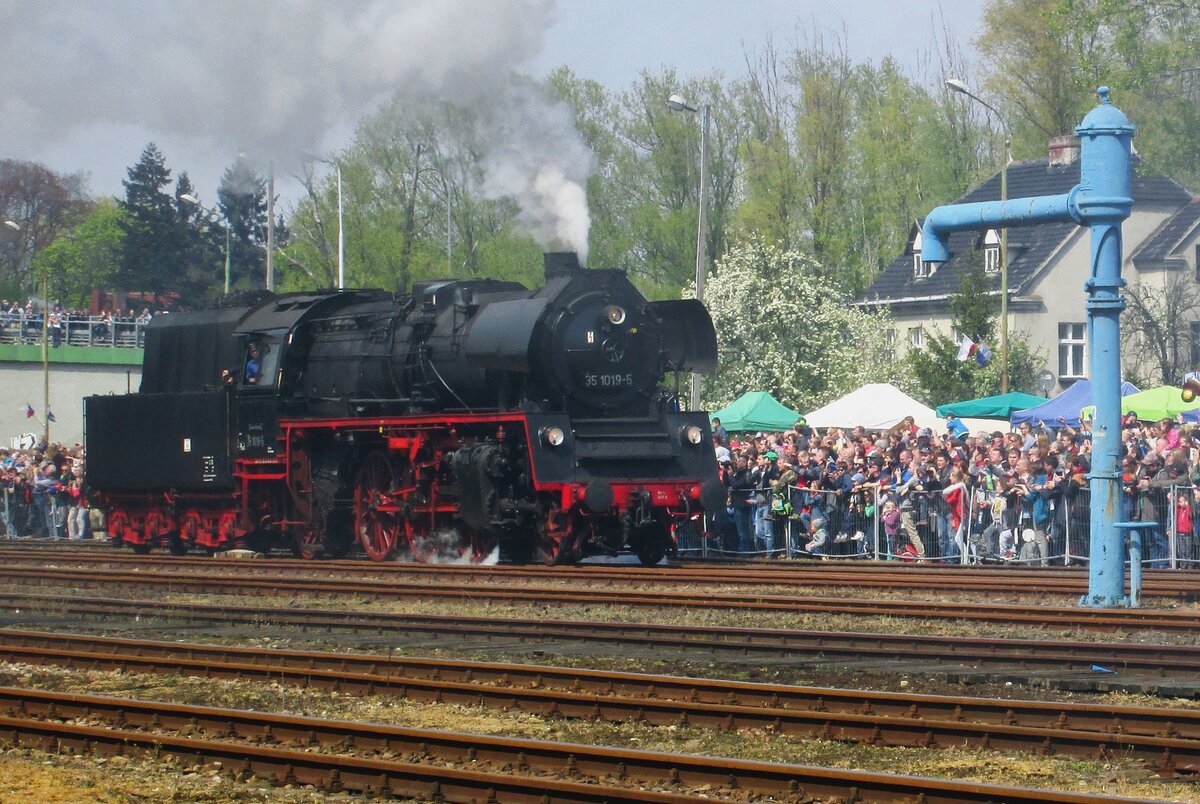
45,486
1036,490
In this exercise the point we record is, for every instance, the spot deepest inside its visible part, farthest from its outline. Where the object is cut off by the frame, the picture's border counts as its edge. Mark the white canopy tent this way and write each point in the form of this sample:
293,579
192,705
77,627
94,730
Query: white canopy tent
879,406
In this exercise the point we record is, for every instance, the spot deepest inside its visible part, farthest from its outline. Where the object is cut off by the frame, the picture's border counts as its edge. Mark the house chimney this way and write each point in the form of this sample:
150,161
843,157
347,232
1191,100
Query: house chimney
1064,149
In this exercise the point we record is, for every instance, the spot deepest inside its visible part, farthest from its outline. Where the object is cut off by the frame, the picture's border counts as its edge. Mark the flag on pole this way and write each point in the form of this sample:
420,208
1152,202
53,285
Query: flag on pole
983,355
50,415
966,347
28,411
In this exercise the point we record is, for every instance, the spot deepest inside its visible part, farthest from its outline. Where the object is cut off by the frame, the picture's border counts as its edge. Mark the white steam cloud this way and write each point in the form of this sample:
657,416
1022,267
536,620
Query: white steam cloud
537,158
274,79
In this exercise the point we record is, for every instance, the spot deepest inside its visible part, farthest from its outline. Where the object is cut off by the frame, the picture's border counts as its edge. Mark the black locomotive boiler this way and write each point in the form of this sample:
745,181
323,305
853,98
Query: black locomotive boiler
466,417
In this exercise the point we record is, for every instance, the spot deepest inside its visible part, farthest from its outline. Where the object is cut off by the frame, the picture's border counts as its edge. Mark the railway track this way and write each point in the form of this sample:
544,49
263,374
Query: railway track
218,583
1085,666
1066,581
1168,740
444,766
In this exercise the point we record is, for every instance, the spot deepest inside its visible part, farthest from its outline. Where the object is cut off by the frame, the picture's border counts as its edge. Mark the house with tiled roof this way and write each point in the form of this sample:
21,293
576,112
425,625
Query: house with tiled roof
1047,263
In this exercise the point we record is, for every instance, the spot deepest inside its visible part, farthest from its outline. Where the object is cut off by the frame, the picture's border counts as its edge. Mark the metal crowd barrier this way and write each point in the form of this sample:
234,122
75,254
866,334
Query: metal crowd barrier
919,529
26,515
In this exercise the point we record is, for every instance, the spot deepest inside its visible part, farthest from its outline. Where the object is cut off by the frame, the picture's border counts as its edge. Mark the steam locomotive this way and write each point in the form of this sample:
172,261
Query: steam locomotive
468,417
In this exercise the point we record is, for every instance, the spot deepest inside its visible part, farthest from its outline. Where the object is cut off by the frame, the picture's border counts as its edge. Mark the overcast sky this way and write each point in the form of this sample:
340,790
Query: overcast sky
89,84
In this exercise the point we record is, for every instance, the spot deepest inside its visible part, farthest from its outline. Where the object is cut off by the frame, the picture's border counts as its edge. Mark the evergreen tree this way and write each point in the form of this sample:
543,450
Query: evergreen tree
154,238
243,201
202,261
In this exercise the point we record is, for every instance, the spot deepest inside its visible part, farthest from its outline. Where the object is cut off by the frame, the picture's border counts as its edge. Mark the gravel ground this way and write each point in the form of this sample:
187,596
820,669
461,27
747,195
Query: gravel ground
886,621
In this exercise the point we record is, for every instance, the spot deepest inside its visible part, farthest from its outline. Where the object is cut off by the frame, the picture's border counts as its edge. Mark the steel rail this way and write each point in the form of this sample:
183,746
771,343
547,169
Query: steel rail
596,767
1167,669
1035,580
1165,755
1007,614
1117,719
325,771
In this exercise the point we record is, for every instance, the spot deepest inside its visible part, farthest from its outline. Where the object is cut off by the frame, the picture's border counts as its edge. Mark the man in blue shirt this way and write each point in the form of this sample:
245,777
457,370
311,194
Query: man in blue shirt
253,366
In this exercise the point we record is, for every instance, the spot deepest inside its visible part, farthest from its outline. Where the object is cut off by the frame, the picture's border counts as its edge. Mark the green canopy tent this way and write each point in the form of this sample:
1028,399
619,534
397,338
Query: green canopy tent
756,410
1000,406
1162,402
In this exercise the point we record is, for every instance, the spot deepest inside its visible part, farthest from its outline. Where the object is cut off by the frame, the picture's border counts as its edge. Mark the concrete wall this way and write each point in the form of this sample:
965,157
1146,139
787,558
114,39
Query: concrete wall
21,383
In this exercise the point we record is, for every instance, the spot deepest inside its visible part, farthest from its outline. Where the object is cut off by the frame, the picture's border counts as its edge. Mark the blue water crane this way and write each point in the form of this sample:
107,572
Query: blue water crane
1102,199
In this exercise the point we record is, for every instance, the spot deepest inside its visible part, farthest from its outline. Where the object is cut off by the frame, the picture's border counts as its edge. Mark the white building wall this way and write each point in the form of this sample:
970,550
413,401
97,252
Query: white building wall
1059,294
22,383
1061,288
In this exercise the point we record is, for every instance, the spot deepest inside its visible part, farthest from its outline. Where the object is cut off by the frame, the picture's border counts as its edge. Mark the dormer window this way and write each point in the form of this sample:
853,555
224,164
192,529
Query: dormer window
920,267
991,252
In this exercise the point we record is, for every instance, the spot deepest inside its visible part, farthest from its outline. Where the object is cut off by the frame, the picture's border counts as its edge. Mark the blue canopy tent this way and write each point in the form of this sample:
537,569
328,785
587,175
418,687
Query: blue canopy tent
1067,405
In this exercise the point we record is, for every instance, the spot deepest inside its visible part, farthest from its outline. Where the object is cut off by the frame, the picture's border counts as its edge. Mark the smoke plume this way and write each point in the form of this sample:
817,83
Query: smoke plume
537,158
274,79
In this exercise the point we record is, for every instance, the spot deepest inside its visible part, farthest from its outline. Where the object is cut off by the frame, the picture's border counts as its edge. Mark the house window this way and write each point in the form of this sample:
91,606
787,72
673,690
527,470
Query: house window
1196,343
991,252
1072,338
916,337
889,339
920,267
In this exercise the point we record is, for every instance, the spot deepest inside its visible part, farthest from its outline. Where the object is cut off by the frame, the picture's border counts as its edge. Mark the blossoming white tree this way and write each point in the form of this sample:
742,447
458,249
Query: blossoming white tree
782,328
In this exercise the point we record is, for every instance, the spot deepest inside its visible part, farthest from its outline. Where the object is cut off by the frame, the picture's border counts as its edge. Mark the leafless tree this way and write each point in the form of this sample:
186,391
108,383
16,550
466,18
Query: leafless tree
1156,329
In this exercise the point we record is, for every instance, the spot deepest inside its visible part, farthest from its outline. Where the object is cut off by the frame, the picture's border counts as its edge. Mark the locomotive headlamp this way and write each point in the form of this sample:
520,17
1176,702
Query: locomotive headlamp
553,436
691,434
614,314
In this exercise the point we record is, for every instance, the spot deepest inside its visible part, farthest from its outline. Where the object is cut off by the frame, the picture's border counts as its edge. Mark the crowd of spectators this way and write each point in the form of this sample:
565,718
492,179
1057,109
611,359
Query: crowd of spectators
43,494
919,495
909,494
24,324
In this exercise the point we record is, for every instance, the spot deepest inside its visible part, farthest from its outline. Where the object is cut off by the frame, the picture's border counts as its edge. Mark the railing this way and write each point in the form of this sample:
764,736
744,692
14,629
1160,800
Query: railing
21,328
919,528
816,524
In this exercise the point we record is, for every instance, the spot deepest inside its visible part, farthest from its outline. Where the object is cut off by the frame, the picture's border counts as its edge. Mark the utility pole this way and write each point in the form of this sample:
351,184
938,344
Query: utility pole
271,226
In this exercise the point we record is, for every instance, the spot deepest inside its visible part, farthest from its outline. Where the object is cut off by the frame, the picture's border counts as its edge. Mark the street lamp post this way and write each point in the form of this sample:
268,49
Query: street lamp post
676,103
341,229
16,227
191,199
961,87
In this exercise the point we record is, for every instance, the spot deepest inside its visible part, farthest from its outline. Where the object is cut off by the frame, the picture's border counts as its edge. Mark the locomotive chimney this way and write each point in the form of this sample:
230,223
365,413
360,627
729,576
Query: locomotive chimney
558,263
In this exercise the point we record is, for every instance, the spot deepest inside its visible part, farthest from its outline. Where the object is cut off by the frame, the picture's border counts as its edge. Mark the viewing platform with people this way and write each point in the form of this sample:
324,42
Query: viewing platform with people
24,325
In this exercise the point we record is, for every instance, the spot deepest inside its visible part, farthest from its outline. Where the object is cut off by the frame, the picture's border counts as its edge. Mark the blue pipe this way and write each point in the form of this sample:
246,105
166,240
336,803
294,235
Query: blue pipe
1135,566
935,233
1102,200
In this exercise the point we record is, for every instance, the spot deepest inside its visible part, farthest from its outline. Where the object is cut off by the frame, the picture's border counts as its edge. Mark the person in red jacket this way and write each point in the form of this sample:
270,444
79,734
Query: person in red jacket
956,495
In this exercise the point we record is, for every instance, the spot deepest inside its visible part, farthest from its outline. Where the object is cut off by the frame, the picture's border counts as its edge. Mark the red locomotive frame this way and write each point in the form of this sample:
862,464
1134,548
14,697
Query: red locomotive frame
397,504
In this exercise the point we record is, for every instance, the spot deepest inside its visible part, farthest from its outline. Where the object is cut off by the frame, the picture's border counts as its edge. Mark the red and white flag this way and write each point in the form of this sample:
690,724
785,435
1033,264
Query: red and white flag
966,347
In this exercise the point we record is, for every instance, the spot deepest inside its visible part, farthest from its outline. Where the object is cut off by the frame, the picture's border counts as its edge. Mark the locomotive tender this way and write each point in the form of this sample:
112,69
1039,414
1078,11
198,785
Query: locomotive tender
469,416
